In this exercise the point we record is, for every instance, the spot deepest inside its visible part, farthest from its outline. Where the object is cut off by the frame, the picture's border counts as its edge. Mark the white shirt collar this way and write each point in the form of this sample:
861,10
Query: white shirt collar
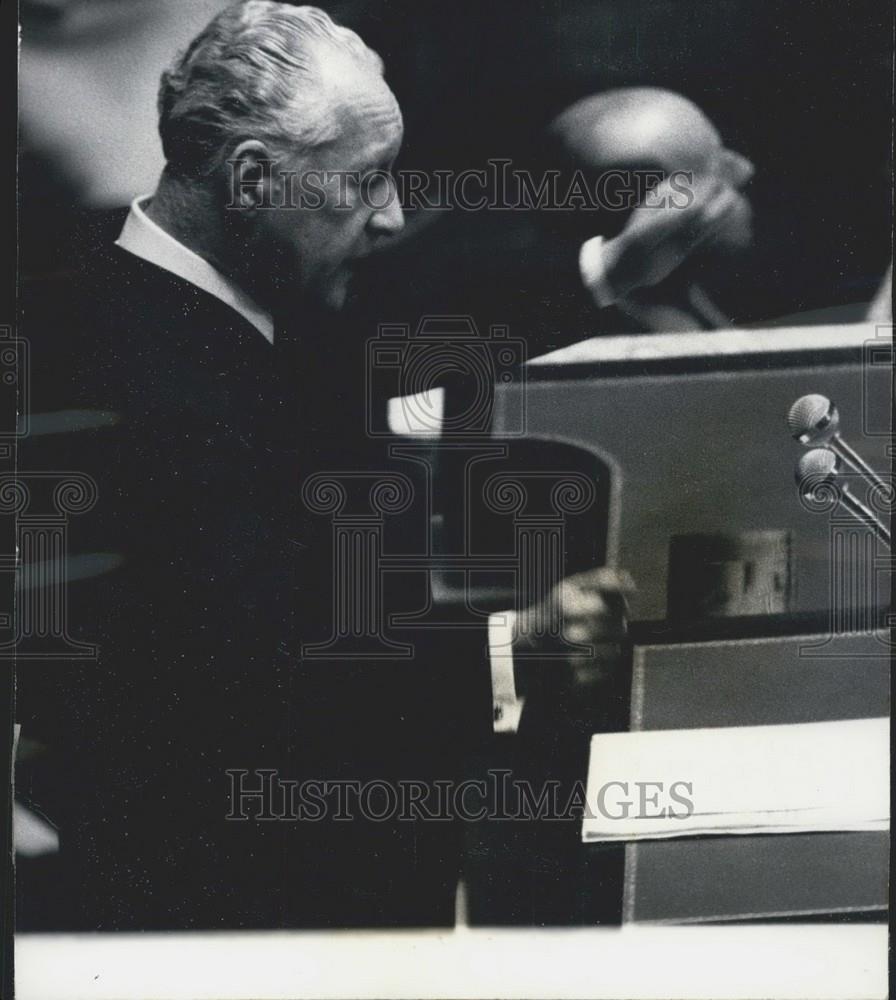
143,238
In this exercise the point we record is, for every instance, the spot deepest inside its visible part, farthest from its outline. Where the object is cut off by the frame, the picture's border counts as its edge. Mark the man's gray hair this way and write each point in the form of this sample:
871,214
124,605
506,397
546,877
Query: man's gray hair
253,72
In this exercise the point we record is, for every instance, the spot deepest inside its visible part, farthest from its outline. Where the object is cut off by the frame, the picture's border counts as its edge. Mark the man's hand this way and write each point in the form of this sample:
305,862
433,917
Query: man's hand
666,229
587,609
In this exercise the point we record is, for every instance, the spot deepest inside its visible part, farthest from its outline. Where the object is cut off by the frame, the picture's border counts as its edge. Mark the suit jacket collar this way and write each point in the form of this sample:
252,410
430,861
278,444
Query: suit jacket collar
143,238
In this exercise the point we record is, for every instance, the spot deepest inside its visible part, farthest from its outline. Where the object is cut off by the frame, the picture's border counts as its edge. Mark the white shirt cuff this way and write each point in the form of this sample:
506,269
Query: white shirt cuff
506,706
593,272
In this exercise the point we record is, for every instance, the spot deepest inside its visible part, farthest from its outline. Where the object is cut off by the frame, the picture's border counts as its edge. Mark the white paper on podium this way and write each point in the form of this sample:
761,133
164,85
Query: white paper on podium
817,776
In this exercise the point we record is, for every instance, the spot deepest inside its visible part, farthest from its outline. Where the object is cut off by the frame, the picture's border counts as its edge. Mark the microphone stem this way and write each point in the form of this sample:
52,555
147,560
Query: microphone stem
862,514
855,460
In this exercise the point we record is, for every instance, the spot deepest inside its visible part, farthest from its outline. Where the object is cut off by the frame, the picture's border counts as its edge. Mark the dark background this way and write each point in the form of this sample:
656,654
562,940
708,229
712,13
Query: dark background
8,43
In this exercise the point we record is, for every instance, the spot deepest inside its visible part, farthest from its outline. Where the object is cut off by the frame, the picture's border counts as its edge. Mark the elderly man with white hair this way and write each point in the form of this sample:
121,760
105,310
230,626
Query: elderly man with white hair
202,356
201,373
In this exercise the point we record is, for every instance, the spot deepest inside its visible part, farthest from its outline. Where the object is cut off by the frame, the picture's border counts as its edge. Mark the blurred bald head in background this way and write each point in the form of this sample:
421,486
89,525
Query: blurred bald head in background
645,151
651,129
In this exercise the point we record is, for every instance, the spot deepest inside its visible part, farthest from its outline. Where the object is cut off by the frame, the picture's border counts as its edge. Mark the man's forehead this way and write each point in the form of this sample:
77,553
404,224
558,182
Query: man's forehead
356,91
377,111
346,80
370,119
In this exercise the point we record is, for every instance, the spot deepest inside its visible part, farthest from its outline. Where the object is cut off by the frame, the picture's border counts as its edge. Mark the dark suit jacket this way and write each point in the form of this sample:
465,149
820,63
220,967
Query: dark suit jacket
221,576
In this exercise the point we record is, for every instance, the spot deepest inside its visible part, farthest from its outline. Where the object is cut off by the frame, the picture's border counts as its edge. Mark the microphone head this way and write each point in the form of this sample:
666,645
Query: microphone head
813,420
817,468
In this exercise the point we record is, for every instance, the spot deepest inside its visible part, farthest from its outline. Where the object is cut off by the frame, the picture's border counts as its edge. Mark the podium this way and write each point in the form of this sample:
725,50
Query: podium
692,430
752,682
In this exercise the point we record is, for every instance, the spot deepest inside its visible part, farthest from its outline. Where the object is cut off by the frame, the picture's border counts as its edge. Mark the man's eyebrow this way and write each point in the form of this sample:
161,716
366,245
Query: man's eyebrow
383,161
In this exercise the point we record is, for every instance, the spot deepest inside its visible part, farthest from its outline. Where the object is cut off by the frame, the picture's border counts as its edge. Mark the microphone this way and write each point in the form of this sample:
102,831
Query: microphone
817,475
815,421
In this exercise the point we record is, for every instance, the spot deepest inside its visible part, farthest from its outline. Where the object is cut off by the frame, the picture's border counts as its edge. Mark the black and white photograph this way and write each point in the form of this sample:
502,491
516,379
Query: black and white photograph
446,478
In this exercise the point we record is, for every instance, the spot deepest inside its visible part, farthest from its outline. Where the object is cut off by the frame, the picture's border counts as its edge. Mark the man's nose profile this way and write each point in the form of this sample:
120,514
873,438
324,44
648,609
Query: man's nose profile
389,220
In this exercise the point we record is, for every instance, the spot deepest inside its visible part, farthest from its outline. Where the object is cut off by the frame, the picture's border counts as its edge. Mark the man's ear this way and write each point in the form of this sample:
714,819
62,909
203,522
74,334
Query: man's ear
250,177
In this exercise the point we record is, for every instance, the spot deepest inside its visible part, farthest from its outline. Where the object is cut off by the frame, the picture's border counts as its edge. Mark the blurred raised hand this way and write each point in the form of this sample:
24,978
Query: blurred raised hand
675,219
